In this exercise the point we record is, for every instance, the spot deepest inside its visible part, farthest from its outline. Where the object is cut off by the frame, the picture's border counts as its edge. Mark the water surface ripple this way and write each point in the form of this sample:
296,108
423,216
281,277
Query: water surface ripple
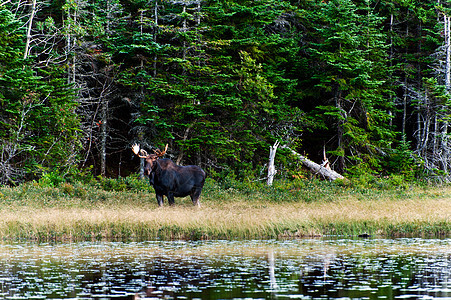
269,269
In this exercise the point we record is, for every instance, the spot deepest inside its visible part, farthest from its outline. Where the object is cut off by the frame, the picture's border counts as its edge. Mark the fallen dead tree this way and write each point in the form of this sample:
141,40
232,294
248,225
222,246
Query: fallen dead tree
321,169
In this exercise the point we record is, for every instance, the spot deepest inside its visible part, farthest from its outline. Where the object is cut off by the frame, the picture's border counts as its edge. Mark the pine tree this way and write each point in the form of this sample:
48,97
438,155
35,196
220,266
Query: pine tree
39,127
351,71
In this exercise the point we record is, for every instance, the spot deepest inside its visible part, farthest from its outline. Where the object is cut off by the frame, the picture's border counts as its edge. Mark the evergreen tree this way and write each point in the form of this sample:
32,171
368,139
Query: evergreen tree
351,71
220,81
213,91
38,124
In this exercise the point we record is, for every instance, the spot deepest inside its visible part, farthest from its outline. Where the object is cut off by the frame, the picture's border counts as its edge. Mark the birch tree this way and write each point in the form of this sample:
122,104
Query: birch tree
30,26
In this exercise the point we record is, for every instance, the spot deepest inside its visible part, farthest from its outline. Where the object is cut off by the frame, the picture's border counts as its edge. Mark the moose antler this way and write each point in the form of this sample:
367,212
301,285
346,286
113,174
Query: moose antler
140,152
160,153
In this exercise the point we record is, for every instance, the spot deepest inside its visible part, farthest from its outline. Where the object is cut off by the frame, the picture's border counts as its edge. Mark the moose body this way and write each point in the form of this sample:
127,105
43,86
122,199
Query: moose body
170,179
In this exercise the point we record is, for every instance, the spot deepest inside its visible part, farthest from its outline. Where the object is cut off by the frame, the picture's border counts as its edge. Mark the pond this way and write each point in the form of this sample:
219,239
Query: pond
261,269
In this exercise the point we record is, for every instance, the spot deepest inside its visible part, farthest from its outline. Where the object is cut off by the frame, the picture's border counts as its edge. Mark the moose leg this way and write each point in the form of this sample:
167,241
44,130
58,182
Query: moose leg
160,200
195,195
171,198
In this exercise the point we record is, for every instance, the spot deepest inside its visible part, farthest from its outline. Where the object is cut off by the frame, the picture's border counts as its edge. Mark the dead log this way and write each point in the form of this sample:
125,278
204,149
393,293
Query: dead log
271,169
317,168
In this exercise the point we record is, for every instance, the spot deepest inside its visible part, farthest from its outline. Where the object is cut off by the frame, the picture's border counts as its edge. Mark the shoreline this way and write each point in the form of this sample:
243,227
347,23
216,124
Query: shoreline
36,213
240,221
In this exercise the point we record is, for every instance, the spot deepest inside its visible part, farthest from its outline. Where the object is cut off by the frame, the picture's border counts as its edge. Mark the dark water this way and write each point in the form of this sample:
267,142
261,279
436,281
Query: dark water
293,269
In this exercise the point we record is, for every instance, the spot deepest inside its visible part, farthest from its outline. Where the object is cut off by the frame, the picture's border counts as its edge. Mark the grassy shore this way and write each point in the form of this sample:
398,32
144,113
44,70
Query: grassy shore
128,210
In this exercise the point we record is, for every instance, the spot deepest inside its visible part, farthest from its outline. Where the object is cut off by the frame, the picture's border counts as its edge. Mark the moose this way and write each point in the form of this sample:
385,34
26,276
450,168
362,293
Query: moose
169,179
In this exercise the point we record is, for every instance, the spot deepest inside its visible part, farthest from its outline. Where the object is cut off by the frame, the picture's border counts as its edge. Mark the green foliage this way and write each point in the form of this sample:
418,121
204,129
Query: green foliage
84,175
39,130
352,68
110,184
403,161
52,179
216,95
220,81
70,183
363,186
130,183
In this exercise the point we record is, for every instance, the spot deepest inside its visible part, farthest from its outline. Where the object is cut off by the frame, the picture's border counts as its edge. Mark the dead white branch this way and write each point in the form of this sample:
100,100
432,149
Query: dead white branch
315,168
271,169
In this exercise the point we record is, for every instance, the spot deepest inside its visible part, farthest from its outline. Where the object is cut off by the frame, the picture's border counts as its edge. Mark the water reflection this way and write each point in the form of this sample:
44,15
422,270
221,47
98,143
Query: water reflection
294,269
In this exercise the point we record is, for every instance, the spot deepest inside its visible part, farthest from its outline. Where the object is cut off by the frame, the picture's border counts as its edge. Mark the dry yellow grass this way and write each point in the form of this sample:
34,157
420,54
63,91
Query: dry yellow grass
240,219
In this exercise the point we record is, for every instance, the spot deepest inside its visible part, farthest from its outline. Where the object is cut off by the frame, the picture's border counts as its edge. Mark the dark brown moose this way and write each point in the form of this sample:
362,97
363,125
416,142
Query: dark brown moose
169,179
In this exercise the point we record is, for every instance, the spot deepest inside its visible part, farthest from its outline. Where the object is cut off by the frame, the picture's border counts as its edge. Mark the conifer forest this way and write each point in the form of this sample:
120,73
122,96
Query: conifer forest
366,82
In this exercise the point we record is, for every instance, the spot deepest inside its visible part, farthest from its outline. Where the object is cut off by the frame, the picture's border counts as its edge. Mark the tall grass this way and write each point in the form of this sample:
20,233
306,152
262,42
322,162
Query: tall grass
127,209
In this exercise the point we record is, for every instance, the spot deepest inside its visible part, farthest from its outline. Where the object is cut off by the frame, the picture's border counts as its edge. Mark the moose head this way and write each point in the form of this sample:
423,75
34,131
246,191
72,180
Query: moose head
150,158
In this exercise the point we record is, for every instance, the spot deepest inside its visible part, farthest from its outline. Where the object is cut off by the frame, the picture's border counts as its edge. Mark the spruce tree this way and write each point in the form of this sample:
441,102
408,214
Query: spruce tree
39,130
351,70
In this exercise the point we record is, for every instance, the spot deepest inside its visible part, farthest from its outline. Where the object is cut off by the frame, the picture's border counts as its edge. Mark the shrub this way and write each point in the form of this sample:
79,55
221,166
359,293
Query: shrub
81,175
134,183
80,192
130,183
52,179
68,188
403,161
111,184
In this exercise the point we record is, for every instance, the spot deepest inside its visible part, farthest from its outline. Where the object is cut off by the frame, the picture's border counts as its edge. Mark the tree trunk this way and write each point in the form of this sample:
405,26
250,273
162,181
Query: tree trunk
103,134
185,137
184,29
340,125
70,43
142,162
155,57
447,52
271,169
316,168
30,26
444,128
